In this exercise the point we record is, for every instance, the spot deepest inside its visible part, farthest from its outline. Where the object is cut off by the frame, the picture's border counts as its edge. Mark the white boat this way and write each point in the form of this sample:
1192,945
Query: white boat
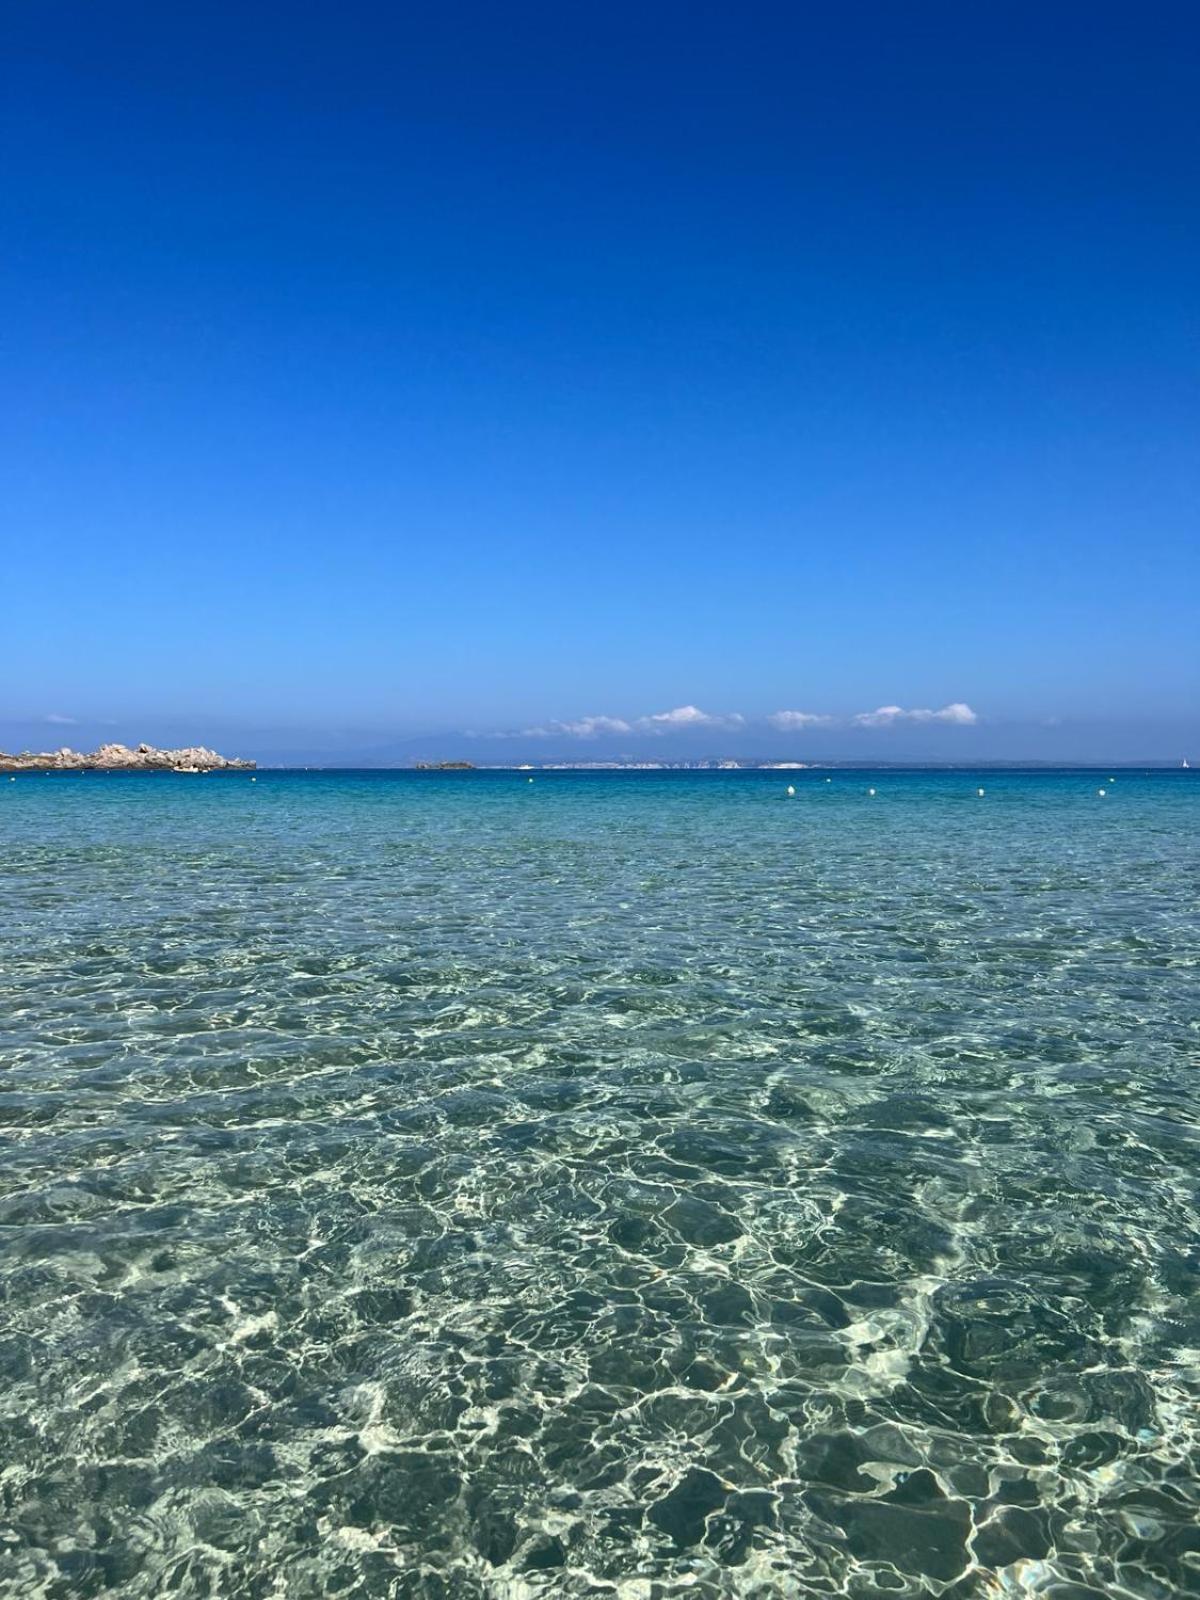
1185,764
187,769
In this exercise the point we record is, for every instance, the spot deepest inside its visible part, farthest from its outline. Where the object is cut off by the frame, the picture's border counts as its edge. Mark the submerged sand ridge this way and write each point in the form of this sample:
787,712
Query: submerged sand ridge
110,757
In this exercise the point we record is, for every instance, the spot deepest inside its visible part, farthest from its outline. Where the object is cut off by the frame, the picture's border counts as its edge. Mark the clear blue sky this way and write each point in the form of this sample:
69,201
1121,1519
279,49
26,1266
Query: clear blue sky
376,373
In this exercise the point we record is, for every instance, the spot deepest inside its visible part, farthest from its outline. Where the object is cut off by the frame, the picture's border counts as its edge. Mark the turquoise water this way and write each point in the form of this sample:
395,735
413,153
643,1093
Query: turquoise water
635,1185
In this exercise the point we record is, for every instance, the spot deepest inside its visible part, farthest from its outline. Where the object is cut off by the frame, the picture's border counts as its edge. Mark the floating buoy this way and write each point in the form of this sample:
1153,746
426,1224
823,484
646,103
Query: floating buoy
828,780
791,790
979,792
870,791
528,780
1102,793
253,780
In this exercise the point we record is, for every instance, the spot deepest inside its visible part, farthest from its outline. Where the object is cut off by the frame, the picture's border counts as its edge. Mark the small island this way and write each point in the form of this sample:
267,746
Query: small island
121,758
444,766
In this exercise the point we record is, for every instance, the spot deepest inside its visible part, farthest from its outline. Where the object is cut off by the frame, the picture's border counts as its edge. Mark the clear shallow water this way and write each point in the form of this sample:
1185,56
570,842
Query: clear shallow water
646,1186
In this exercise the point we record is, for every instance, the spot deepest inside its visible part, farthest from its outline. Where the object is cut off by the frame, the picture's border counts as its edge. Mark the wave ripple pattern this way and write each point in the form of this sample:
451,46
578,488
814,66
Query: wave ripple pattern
449,1187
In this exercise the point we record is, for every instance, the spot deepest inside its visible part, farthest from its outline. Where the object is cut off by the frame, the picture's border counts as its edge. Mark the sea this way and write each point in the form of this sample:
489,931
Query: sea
494,1185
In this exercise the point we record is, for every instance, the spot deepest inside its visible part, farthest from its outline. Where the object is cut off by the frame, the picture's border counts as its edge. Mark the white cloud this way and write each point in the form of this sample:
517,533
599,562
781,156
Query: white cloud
958,712
582,728
682,719
886,716
56,716
883,718
589,727
793,721
687,717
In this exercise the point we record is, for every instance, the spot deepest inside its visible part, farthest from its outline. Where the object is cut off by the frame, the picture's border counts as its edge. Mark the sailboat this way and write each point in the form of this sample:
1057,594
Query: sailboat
1185,763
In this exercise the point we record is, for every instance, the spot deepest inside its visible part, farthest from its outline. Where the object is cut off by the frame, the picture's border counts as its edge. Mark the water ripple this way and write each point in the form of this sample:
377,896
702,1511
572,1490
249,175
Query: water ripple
642,1187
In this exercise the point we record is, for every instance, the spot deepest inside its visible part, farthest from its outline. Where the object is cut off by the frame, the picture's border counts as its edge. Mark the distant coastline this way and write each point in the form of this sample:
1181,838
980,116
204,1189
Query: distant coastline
123,758
201,759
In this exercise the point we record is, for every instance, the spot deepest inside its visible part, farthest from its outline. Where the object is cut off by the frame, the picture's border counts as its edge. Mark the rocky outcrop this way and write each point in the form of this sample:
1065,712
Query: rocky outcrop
119,757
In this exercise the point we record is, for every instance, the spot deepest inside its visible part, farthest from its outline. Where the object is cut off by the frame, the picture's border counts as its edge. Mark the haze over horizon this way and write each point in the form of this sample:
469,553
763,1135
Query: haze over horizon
886,742
551,384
